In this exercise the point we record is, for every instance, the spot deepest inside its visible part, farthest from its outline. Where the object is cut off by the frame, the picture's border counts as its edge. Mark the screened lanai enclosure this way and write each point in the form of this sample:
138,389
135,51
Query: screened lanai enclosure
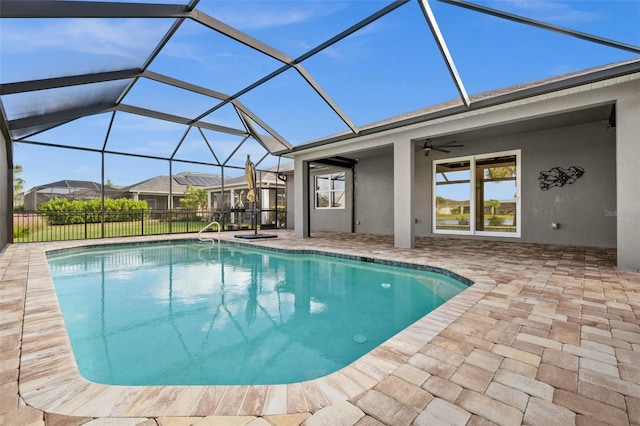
121,92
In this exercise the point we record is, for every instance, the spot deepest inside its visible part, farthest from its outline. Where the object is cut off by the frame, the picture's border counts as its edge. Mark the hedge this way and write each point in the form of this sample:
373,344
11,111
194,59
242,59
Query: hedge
61,211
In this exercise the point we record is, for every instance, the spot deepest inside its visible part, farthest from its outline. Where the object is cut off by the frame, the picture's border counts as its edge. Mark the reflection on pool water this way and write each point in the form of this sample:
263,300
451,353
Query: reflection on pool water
188,313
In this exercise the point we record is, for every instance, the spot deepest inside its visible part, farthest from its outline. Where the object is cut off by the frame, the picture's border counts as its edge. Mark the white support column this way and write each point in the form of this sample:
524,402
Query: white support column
301,198
403,176
628,179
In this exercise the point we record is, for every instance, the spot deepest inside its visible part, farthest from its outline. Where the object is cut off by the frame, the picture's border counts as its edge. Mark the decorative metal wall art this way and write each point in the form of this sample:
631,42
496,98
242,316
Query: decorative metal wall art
559,176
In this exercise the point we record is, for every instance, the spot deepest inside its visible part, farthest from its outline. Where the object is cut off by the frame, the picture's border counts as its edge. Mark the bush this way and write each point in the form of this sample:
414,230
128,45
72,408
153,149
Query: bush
496,221
18,208
463,221
61,211
20,231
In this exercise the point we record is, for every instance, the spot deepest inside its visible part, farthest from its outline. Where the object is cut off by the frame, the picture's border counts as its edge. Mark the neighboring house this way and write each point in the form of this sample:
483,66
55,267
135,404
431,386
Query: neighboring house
154,191
71,190
18,199
163,193
571,141
454,207
230,199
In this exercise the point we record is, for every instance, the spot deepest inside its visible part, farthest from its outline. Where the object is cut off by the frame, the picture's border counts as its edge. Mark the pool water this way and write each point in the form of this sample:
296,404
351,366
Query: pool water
189,313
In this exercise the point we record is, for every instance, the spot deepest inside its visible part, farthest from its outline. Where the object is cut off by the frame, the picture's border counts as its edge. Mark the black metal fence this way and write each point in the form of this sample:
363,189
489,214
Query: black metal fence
33,226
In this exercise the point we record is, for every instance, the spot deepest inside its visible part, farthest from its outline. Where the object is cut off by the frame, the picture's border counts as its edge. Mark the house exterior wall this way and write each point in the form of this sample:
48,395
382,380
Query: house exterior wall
374,194
290,207
579,208
338,220
31,200
582,209
627,214
155,202
6,193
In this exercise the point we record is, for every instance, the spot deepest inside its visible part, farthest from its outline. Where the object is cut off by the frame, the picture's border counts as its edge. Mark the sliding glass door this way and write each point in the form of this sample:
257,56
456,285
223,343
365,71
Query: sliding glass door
453,196
478,195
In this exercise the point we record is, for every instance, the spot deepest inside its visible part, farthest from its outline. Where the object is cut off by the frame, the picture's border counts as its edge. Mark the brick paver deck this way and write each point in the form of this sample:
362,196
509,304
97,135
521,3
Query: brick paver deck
546,335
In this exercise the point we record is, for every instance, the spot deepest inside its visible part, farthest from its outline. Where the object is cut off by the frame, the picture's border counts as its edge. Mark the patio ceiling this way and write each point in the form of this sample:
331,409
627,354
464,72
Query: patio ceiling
197,74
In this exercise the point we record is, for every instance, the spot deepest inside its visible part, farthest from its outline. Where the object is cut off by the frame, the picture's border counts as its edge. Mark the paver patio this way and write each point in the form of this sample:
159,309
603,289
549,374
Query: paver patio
547,335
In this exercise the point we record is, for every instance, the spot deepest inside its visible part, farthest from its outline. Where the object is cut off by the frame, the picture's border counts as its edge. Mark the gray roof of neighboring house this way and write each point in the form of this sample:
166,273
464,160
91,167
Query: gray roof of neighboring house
67,186
160,184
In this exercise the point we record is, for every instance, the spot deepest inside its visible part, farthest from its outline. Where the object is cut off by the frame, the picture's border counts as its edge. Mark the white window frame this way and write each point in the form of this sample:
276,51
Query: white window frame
472,196
330,192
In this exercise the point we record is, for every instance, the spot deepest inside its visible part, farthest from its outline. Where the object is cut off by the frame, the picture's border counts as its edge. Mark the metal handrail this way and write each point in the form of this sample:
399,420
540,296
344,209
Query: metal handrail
201,238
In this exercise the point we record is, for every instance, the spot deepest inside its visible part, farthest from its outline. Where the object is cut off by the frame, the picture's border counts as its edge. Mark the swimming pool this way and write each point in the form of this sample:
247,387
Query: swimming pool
186,313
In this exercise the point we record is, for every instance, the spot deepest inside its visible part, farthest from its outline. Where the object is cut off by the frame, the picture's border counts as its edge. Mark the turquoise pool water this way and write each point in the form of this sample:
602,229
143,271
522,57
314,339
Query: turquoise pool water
188,313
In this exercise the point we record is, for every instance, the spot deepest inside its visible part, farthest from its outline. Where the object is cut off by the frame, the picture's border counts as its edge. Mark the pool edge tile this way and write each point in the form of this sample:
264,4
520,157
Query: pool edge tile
361,375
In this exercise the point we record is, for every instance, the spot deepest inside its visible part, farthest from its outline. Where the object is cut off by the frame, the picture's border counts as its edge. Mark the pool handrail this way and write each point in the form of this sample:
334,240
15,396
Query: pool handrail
201,238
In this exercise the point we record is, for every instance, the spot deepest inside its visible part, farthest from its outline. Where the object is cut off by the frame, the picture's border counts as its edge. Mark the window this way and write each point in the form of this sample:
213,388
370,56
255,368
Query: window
478,195
330,191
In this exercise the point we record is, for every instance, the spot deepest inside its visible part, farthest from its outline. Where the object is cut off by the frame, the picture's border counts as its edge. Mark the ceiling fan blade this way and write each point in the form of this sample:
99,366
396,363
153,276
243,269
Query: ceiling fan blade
450,143
440,149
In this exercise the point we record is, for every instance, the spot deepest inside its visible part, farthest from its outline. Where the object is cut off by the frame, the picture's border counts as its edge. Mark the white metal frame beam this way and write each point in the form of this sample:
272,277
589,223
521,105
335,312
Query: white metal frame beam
444,51
543,25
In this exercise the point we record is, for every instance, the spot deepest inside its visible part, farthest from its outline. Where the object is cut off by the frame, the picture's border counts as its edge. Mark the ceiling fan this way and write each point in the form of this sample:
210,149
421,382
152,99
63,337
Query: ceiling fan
429,146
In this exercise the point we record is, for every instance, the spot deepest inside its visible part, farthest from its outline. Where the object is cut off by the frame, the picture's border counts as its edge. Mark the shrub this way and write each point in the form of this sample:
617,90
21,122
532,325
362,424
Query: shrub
18,208
496,221
463,221
20,231
61,211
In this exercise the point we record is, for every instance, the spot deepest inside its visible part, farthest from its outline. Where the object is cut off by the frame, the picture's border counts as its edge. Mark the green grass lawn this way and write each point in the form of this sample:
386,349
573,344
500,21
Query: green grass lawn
33,227
41,231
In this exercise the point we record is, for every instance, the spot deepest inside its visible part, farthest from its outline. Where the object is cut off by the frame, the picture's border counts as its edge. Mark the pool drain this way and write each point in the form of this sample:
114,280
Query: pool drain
359,338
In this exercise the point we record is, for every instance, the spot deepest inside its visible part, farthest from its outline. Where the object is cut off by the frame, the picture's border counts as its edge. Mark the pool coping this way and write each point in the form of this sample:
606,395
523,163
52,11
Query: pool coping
49,379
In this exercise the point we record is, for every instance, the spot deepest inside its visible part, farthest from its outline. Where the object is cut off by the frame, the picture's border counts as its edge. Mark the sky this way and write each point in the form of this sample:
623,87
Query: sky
390,67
